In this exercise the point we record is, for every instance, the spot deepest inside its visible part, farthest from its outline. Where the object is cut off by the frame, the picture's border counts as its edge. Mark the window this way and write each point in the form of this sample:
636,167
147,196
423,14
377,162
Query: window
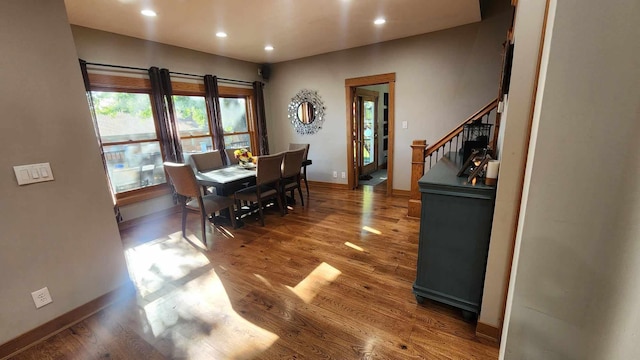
238,124
129,130
130,141
193,123
236,110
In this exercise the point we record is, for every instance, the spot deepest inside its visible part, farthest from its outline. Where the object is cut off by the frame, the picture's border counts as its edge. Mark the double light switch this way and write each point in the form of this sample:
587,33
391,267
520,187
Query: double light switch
33,173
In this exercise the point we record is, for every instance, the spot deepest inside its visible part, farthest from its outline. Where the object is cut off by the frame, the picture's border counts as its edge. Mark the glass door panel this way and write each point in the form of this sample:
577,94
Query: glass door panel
368,139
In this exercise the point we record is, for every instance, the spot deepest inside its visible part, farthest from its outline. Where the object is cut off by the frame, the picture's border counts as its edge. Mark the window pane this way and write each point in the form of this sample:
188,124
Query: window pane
234,115
134,166
237,141
124,116
195,145
191,113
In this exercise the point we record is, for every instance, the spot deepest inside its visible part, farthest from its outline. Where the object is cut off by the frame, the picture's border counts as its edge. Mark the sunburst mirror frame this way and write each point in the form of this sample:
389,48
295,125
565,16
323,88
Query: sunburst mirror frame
311,97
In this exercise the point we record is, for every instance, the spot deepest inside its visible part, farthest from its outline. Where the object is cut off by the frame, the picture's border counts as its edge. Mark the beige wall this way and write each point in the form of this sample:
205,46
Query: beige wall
513,140
441,78
59,234
574,290
108,48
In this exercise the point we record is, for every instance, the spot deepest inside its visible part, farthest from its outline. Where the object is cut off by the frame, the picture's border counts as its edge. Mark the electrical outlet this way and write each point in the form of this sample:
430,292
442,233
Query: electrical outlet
344,175
41,297
335,174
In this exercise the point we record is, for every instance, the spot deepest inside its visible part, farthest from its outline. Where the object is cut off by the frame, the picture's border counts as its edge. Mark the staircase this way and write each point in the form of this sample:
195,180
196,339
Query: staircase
423,157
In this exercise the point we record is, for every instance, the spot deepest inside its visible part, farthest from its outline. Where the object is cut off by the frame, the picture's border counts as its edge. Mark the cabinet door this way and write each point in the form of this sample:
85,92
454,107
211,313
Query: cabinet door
454,240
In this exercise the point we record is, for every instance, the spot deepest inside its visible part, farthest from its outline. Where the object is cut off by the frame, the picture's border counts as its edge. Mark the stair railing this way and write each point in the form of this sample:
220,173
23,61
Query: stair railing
448,143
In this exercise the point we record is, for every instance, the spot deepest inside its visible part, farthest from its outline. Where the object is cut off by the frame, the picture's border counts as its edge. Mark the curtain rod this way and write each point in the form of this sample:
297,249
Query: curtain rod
170,72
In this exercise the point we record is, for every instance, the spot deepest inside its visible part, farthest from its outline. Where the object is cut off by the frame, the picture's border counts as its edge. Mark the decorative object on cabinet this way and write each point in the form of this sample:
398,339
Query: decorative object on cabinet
475,136
452,258
476,163
491,176
306,112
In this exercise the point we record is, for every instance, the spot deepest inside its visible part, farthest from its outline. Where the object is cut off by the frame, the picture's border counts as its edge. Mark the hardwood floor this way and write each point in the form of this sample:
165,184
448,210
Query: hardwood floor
330,281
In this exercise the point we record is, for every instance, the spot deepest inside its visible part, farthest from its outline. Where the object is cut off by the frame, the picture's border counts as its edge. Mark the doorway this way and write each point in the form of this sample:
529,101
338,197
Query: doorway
364,139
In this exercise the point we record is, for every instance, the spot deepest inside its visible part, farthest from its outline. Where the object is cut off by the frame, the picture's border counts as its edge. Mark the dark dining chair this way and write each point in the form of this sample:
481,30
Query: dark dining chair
293,146
291,172
185,184
268,168
206,161
232,156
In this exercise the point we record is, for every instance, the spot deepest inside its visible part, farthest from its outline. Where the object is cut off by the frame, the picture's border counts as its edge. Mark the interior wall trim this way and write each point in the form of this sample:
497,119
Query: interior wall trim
63,322
329,185
149,217
399,192
488,332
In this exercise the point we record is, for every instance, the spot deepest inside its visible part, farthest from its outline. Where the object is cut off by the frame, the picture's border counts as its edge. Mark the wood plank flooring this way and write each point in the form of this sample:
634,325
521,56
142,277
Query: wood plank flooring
328,281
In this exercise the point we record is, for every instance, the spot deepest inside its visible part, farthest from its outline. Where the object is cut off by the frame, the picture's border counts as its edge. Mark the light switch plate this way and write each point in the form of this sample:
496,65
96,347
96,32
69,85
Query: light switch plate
33,173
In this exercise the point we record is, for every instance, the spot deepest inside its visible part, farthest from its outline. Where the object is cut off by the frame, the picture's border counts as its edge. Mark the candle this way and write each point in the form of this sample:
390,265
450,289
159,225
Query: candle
492,172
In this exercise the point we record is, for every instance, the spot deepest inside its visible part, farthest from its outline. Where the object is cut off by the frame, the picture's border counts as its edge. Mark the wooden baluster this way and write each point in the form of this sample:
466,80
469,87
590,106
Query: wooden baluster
418,148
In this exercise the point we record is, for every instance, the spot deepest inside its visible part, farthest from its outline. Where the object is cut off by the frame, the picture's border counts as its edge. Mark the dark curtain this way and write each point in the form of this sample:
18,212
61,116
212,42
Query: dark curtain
87,87
263,139
161,92
212,99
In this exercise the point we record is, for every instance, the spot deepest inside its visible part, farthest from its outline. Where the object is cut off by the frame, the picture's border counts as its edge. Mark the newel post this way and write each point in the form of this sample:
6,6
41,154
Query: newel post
418,148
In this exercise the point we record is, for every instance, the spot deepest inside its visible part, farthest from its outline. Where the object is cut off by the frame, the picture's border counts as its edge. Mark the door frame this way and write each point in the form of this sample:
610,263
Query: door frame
350,86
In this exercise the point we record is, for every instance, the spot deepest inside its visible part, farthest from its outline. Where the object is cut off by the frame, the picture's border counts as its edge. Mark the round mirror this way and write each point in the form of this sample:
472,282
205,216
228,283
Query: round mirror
306,113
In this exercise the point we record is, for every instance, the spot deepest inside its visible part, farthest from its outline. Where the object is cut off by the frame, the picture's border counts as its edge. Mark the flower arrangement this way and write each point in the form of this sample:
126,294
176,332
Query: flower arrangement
243,155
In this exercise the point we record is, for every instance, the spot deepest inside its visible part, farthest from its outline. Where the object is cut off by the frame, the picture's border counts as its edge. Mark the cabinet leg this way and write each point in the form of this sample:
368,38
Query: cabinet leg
468,316
419,299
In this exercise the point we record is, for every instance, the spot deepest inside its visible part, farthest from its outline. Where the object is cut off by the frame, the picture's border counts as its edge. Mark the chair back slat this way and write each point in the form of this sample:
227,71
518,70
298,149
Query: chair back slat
183,179
293,146
292,162
207,161
232,156
268,168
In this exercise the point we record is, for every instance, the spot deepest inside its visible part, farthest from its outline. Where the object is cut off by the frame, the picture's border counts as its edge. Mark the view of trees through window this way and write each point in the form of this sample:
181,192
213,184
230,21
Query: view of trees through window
193,123
234,123
129,131
129,138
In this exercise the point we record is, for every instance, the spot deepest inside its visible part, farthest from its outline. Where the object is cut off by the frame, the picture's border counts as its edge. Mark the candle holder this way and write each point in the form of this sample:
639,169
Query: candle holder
491,175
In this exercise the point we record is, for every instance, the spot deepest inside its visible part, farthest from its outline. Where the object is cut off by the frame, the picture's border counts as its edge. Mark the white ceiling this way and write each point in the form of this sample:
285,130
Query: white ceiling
295,28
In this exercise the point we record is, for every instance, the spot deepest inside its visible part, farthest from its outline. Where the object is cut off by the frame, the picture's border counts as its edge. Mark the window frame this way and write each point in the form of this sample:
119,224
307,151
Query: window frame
197,89
137,85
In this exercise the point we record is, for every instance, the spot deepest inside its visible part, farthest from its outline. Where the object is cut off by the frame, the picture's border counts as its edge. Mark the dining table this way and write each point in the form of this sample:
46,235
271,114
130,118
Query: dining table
227,180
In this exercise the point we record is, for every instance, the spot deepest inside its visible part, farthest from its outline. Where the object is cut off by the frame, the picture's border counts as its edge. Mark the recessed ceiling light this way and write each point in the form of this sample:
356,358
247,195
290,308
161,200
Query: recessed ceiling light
221,34
380,21
147,12
268,48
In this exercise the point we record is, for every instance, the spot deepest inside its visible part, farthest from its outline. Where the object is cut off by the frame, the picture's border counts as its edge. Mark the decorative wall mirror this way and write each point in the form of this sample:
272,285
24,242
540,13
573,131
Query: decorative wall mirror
306,112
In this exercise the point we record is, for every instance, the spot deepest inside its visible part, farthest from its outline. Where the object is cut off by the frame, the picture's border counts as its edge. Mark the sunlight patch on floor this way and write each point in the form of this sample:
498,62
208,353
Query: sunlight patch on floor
154,263
372,230
196,314
309,287
201,313
264,280
354,246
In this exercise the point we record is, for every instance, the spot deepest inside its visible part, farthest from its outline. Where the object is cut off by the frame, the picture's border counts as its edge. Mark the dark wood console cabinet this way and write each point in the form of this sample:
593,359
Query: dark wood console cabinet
455,226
